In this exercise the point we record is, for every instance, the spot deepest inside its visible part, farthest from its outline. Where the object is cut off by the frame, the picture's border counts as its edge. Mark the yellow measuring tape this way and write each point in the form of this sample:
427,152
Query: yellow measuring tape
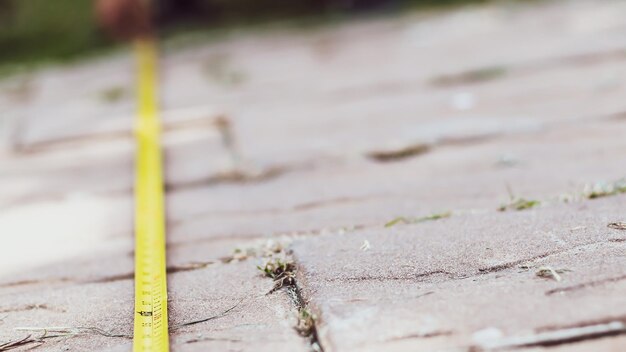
150,331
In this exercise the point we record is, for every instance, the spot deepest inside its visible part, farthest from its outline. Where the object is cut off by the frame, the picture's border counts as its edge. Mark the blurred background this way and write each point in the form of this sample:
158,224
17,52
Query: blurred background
39,31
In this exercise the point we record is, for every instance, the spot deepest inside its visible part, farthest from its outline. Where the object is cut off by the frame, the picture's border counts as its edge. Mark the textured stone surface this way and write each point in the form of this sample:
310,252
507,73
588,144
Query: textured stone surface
492,100
449,279
256,322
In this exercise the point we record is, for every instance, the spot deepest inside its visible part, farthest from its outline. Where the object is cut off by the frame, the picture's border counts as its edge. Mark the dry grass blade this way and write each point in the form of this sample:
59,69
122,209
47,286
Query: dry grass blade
547,272
7,346
283,273
617,225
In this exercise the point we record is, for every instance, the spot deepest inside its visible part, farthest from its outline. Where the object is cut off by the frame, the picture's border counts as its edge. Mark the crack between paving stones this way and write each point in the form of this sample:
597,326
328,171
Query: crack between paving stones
205,339
34,282
194,266
258,236
284,277
319,231
48,333
509,265
295,295
55,144
204,320
68,332
580,324
29,307
585,285
113,278
393,278
558,335
423,336
236,176
296,208
232,177
451,276
492,73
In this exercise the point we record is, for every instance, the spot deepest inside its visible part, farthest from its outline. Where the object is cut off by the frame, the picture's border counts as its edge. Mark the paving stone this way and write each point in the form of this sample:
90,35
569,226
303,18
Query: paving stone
469,177
112,261
256,323
85,105
577,62
341,57
451,278
106,306
191,155
352,107
362,123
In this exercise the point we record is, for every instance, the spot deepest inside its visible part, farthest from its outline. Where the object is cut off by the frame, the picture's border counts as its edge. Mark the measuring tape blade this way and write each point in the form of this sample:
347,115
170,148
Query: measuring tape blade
150,330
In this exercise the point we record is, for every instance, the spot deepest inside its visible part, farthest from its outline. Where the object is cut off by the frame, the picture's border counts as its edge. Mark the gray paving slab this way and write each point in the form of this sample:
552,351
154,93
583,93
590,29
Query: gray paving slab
251,320
563,41
106,306
452,278
358,192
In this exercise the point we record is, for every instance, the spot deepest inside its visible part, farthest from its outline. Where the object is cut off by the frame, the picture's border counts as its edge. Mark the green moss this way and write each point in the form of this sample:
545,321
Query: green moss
113,95
404,220
43,30
519,204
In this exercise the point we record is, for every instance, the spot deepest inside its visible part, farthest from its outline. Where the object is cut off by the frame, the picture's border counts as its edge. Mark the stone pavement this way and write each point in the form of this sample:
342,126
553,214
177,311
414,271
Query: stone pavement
448,181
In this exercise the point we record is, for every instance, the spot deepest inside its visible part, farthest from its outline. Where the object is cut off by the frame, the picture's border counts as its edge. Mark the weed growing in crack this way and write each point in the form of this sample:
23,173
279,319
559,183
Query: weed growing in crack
547,272
263,249
277,266
590,191
519,204
282,272
405,220
603,189
306,323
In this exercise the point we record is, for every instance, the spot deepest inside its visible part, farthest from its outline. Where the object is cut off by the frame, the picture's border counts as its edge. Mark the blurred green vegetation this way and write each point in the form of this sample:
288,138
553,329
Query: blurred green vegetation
33,32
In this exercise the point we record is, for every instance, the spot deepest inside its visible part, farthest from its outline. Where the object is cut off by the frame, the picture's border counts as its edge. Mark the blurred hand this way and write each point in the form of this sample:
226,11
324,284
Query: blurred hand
124,19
